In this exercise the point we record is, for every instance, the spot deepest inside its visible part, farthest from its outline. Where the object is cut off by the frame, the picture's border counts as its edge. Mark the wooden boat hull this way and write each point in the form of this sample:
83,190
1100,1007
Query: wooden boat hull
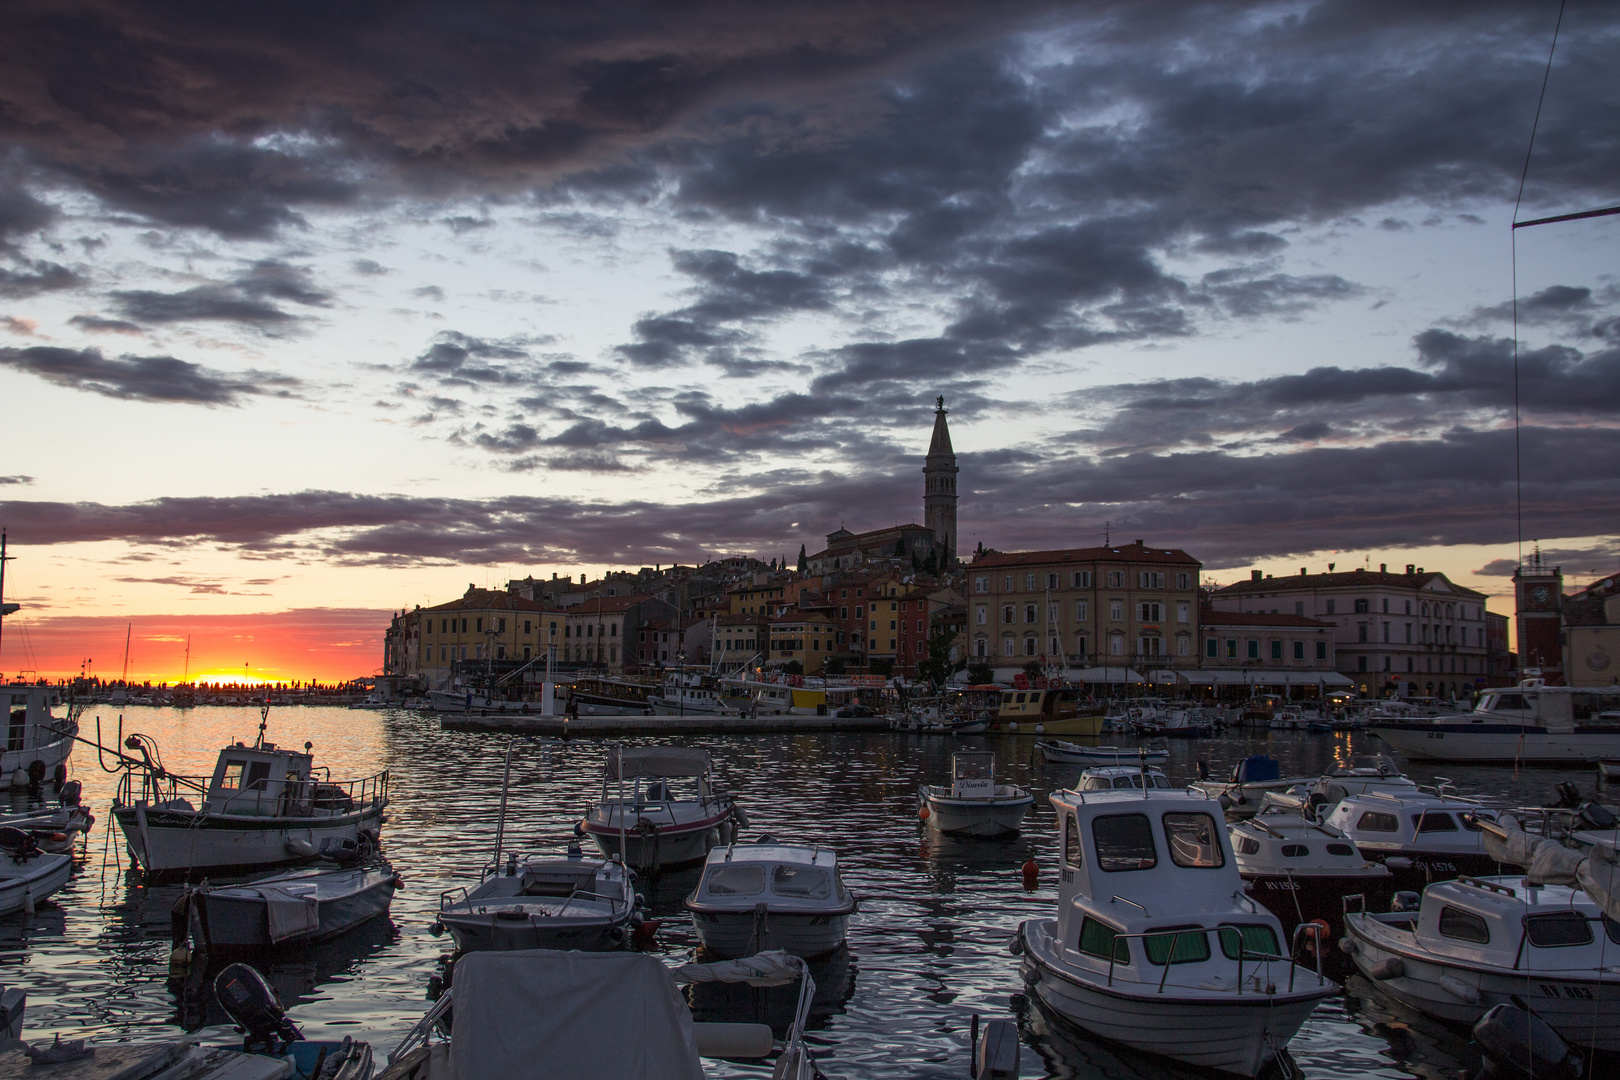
1101,755
239,923
1233,1033
1084,726
743,933
164,840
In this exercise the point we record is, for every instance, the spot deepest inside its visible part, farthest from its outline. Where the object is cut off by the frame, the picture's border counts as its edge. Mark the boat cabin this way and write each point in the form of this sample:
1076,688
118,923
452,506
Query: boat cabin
1149,877
260,781
28,712
973,774
1558,710
1038,705
1504,923
1109,777
1283,843
778,875
1387,821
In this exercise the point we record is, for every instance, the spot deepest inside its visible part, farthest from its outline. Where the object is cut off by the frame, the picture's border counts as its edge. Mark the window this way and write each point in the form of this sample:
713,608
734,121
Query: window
526,625
1321,650
1124,842
1231,648
1250,942
860,609
1295,851
1029,646
1150,579
1183,581
1361,663
1183,613
1149,612
731,879
1330,607
1191,945
231,778
803,881
1051,581
1051,613
1116,610
1386,605
1072,854
1362,607
1029,613
1299,607
1183,645
1116,645
1247,845
1029,582
480,626
1341,850
1434,821
1148,646
1194,840
1080,644
1211,649
1361,632
1080,611
1372,821
1007,613
843,613
983,615
1116,579
1276,649
1386,633
981,583
1463,925
981,647
1007,583
1254,649
1007,646
1557,930
892,625
1082,579
1299,650
1101,940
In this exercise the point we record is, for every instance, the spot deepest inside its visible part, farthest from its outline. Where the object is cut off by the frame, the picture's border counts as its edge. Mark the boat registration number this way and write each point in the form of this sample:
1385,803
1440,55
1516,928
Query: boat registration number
1554,990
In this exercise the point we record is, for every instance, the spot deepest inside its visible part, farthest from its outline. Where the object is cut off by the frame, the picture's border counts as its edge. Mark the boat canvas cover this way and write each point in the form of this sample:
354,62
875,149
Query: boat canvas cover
657,761
569,1016
1547,862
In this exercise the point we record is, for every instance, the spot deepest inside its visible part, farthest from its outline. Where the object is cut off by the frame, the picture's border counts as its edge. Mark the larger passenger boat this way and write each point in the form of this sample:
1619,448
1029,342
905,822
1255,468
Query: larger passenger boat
1155,944
1046,712
1528,723
33,733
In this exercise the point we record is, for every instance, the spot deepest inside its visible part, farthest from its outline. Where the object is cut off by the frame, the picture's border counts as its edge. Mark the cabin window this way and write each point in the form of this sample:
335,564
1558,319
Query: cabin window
806,881
1373,821
258,773
728,880
1434,821
1191,945
1194,841
1253,941
1611,928
1295,851
1463,925
1341,850
1469,823
1557,930
1124,842
1511,701
1100,939
232,776
1248,846
1073,856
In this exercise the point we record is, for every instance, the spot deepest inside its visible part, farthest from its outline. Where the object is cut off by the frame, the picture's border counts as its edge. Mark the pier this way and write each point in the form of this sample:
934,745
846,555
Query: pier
697,724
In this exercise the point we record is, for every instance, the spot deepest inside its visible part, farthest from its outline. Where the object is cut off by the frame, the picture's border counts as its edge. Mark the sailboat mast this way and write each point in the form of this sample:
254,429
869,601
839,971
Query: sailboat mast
187,676
4,558
128,632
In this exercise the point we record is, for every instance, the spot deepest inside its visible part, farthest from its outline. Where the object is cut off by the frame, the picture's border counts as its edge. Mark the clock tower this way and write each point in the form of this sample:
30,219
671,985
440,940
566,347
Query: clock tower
1539,592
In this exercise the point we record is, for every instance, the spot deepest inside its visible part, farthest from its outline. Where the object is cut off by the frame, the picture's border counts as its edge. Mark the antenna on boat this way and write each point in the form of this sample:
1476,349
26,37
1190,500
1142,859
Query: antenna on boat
264,720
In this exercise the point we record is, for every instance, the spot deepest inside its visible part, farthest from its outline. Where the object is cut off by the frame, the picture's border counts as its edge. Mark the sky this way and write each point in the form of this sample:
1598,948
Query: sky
311,312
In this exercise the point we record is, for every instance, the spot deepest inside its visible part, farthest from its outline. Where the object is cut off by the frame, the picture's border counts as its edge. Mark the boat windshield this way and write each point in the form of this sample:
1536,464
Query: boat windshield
1193,840
1124,842
731,880
809,882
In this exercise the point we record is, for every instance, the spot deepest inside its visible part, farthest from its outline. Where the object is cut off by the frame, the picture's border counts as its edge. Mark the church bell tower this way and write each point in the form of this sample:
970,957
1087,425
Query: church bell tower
939,488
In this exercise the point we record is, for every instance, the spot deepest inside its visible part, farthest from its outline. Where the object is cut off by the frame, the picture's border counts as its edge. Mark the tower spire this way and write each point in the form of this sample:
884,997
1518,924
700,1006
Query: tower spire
939,487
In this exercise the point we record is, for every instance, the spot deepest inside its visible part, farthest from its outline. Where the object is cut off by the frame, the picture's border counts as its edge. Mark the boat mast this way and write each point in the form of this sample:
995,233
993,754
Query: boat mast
5,609
187,676
128,631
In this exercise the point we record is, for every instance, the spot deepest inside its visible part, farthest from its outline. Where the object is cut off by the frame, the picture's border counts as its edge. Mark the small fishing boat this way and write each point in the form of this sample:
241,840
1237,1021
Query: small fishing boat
672,816
1046,711
974,804
1111,777
1068,753
264,806
1422,837
767,896
1155,945
297,908
544,903
1300,870
34,735
28,874
511,1010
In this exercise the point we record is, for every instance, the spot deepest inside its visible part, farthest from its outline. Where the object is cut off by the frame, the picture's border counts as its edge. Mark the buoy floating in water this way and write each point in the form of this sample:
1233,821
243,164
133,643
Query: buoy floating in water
1031,875
922,813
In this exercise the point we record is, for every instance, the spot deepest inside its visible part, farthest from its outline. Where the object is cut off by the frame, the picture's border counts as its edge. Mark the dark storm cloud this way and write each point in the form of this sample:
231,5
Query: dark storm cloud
98,325
143,378
21,213
247,299
461,359
33,276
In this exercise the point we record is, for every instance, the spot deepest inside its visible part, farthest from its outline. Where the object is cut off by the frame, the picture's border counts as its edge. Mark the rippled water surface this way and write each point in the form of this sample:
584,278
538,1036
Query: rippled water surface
926,950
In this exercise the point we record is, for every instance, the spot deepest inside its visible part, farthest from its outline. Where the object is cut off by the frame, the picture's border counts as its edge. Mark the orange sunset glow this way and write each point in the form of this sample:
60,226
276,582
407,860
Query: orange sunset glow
320,644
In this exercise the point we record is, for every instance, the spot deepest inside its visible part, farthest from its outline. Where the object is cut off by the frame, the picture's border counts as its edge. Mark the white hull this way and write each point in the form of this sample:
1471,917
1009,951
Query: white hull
32,881
1232,1033
739,933
1069,754
166,841
51,753
477,931
452,702
1583,1010
975,817
1448,744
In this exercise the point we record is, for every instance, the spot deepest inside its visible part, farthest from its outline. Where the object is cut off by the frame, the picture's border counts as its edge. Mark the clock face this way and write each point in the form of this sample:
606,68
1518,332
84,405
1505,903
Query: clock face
1540,594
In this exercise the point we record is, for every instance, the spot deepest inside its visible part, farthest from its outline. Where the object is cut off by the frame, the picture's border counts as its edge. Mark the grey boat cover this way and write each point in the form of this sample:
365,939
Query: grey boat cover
777,967
1547,862
657,761
569,1016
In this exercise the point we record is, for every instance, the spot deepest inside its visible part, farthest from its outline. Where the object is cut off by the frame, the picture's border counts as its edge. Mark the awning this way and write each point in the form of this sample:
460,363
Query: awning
657,761
1105,675
1262,677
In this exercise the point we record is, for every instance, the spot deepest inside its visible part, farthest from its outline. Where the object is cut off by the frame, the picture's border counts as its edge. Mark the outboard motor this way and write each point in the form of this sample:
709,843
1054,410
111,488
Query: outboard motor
1518,1045
1597,816
1569,796
253,1004
72,791
17,843
1406,900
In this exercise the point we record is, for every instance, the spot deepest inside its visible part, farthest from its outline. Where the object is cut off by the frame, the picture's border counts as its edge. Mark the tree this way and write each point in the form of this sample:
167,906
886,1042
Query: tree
1033,670
793,667
834,665
880,665
980,672
939,666
804,563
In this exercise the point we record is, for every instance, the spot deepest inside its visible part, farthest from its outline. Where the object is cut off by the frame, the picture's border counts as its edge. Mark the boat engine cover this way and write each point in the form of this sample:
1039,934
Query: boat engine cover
252,1002
1517,1043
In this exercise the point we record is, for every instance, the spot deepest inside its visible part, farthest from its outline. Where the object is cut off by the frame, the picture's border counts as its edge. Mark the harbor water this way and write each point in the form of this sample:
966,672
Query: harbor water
927,948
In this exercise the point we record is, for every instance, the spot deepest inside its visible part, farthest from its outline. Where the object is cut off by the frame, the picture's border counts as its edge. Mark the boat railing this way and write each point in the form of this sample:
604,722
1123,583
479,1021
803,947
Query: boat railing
1242,953
444,897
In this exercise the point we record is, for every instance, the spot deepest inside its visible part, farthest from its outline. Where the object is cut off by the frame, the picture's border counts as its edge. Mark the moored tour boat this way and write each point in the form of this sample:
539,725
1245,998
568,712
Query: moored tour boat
654,824
33,734
1530,722
1155,946
1112,777
1052,711
766,896
974,804
28,874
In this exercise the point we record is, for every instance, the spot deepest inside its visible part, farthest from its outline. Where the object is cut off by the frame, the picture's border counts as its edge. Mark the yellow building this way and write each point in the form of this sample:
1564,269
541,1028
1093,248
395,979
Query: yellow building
483,624
807,638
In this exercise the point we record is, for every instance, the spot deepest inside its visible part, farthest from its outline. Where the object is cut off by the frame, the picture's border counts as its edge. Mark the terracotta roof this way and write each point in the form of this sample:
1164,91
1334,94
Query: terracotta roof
489,600
1343,579
603,605
1211,617
1135,552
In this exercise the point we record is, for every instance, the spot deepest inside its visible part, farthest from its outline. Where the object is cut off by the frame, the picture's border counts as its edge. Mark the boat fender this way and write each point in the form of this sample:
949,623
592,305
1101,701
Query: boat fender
1040,729
1013,726
717,1040
1032,873
398,882
1391,968
19,780
922,812
59,775
1347,945
616,933
579,827
1225,803
1459,989
1398,862
436,928
1316,935
739,815
995,1056
636,919
299,847
1406,900
1016,945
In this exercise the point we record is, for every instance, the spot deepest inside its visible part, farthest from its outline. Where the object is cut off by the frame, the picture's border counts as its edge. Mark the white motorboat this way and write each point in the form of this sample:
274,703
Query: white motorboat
767,896
1251,779
671,816
34,735
1475,943
1110,777
1300,870
1068,753
1155,944
297,908
689,695
511,1010
544,903
1257,776
263,806
1422,837
974,804
27,874
1530,722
